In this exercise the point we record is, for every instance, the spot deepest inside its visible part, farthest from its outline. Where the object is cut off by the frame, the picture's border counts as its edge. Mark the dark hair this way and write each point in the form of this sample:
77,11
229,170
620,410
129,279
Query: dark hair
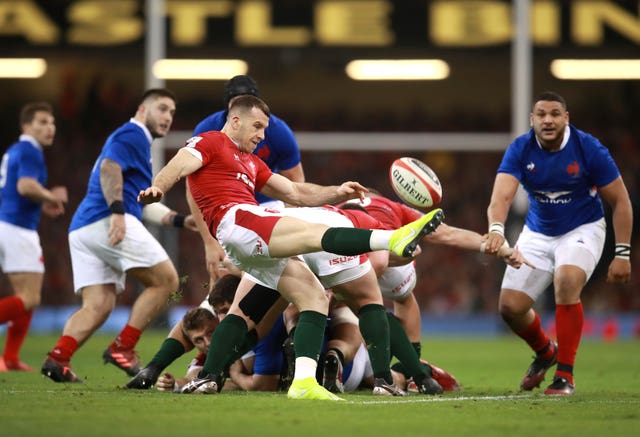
247,102
196,318
28,111
238,86
156,93
550,96
224,290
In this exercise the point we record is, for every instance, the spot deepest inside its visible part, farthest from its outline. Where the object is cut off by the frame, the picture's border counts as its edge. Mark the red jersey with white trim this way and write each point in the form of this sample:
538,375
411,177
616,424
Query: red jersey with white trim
228,177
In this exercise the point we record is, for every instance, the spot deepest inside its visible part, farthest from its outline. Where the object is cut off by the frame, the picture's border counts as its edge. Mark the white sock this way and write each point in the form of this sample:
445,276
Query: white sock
379,239
305,368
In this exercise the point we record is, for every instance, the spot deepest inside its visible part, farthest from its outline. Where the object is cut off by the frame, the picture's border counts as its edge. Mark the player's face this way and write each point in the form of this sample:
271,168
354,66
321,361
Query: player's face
42,128
251,128
159,116
201,337
549,120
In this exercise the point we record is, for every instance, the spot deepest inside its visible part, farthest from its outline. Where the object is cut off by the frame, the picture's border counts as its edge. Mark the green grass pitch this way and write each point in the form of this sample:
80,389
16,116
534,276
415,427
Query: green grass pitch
606,402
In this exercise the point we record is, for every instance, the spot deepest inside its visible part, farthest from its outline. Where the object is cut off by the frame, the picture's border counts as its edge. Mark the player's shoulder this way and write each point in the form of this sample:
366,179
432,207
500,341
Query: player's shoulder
277,124
213,121
584,138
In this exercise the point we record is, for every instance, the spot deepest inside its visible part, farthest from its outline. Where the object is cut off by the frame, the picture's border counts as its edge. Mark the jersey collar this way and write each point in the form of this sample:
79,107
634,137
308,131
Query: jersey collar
144,128
565,138
30,139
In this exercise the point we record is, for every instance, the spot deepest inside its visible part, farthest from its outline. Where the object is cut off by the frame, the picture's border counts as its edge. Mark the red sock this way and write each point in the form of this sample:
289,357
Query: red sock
535,336
569,321
65,348
11,308
16,333
127,339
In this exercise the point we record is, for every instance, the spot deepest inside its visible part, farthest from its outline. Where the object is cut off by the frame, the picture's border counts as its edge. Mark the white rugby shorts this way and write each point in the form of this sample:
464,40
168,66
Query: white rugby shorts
581,247
94,261
20,250
397,282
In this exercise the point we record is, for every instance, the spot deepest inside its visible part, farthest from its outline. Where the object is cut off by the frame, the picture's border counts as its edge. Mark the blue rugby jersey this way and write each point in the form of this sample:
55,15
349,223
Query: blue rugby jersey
23,159
130,147
561,185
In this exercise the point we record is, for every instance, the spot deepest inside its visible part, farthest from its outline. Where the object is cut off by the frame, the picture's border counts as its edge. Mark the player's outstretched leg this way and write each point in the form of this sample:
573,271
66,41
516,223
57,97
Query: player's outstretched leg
404,240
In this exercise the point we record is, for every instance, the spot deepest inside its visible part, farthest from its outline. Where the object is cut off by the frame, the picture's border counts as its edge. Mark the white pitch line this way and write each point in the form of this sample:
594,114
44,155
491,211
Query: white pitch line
447,399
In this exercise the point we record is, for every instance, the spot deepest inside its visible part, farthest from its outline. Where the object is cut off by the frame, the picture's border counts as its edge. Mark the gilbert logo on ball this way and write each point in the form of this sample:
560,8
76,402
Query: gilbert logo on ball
415,183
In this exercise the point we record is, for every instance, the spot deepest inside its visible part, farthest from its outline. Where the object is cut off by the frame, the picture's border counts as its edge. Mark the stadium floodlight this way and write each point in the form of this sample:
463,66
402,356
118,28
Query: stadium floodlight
202,69
596,69
22,68
397,69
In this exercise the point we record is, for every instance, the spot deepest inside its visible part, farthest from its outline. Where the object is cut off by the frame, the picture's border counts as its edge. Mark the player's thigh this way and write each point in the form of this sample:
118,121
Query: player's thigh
27,286
300,286
582,248
396,283
539,250
160,275
360,291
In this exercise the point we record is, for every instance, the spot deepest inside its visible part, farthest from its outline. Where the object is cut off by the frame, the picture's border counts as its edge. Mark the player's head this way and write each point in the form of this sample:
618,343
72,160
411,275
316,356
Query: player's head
246,122
197,325
156,111
222,294
238,86
549,118
36,120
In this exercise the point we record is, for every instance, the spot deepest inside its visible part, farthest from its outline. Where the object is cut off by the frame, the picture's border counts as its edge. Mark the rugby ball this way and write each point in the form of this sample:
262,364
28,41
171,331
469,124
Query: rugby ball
415,183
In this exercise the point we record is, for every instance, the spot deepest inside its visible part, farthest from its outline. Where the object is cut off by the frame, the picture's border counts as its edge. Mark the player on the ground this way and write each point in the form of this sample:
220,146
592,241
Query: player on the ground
566,172
23,197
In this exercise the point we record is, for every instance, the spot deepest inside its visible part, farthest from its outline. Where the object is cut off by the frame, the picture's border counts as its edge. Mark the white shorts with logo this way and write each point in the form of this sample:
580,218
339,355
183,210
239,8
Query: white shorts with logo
581,247
20,250
95,261
247,245
397,282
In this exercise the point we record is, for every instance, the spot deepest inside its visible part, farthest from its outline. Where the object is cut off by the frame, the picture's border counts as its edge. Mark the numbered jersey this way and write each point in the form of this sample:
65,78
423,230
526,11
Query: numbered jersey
22,159
228,176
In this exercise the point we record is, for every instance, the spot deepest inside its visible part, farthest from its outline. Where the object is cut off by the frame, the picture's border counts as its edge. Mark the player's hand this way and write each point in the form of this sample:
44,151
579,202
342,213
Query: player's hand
214,256
150,195
117,229
494,242
619,271
513,257
352,190
55,207
190,223
166,382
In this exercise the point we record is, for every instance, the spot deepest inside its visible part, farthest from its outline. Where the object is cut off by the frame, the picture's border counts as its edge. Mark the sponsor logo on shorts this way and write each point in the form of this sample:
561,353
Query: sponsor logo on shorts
342,260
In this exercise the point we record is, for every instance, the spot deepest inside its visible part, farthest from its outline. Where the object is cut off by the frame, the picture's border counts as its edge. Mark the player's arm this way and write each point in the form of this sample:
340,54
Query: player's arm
52,200
111,183
504,190
252,382
160,214
214,253
308,194
295,174
617,196
182,164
